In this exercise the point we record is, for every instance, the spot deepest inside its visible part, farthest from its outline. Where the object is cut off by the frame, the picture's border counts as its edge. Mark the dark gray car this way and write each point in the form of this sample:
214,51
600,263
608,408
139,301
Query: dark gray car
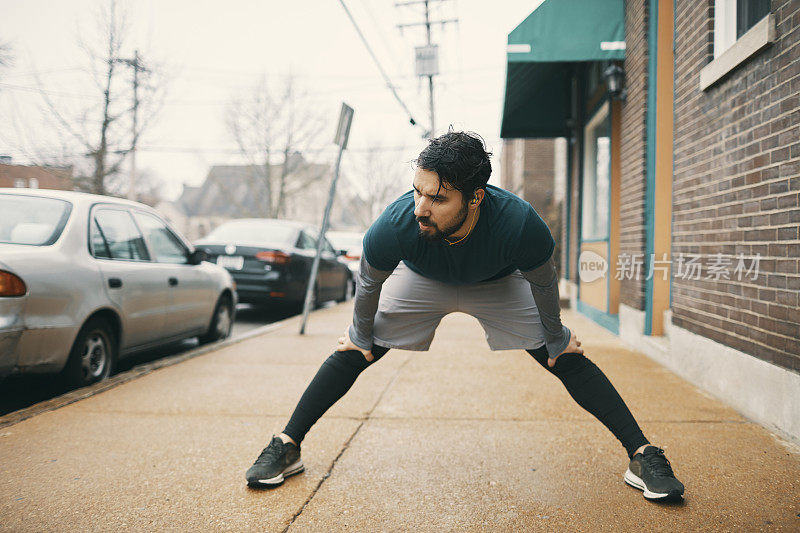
270,261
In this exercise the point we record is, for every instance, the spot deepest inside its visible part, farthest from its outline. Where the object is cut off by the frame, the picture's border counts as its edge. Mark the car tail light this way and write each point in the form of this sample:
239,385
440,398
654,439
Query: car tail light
352,257
11,285
278,258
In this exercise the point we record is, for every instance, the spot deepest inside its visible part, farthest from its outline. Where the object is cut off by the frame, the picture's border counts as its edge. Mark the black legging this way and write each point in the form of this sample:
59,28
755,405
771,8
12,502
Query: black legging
586,383
334,378
592,390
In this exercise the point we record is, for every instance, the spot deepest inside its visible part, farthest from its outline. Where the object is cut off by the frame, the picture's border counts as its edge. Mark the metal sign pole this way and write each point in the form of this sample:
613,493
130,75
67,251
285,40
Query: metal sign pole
342,134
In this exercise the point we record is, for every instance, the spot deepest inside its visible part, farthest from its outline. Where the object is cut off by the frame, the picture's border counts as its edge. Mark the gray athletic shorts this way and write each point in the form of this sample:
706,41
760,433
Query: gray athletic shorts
411,307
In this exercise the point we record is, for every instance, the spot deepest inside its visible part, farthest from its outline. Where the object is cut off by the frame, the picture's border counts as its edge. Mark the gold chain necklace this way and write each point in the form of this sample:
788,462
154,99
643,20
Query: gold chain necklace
474,216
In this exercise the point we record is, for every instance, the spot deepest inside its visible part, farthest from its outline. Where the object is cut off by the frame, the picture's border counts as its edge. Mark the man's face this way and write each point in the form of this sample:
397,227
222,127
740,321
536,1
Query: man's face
439,211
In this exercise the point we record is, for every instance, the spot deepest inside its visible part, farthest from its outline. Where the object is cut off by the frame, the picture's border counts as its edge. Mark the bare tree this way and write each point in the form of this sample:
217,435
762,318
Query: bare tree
102,128
274,127
379,176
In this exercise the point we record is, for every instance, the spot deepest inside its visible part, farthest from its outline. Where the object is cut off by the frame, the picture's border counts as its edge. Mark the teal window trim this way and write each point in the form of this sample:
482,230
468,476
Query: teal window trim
650,156
608,321
607,239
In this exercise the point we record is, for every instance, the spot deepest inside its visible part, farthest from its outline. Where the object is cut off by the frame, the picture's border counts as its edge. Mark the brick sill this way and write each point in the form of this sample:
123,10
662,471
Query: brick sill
756,38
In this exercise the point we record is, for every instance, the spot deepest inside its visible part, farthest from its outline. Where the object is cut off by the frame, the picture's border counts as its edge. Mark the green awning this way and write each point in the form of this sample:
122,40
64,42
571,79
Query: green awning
541,53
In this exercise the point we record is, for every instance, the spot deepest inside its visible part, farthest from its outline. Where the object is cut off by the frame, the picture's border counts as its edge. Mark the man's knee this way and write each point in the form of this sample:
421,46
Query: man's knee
347,360
354,359
572,363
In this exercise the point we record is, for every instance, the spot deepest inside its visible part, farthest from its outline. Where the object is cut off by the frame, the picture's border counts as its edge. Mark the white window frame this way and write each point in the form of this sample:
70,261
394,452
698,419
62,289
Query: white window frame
730,52
724,25
33,183
20,183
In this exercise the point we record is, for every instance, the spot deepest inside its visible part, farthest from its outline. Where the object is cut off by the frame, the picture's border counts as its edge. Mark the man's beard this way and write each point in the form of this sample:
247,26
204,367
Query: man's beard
455,223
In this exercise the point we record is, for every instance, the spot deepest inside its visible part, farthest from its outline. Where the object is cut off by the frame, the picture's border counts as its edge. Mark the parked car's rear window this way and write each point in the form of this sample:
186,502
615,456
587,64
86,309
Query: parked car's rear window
344,240
32,220
272,233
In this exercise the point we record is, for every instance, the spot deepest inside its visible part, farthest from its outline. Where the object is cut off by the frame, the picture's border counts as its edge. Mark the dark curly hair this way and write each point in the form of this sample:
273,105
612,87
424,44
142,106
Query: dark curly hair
460,160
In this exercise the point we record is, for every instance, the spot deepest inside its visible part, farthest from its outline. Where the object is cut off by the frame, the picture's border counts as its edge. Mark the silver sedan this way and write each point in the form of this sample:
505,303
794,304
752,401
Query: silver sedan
85,279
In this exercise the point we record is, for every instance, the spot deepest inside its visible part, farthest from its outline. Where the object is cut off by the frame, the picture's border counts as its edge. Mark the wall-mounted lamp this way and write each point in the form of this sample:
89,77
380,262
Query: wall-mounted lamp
614,77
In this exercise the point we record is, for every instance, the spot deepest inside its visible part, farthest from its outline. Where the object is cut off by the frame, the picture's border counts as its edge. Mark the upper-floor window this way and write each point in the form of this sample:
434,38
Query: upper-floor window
748,12
732,19
742,28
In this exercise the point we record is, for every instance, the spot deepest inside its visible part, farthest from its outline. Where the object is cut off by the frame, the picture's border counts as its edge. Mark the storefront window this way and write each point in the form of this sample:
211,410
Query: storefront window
597,177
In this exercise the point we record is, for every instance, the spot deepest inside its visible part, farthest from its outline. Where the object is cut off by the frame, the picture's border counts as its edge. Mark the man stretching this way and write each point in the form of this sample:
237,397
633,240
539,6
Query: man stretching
452,244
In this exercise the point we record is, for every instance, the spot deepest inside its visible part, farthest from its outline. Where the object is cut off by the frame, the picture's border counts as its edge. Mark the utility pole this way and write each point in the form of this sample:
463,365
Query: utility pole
427,56
430,76
136,65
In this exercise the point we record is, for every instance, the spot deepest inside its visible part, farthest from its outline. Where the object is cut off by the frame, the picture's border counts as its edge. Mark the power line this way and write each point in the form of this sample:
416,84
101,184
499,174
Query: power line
430,65
378,64
382,35
40,72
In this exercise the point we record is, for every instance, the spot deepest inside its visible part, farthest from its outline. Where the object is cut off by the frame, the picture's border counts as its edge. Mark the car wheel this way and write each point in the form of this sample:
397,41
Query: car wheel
221,323
93,354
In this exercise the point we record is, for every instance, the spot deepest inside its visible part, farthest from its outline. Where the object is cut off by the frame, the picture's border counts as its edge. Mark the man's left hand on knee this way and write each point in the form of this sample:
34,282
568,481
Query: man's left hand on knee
345,344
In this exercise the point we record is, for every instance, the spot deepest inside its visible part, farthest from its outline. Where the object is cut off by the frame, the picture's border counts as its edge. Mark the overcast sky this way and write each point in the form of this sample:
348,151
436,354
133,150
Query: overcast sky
210,50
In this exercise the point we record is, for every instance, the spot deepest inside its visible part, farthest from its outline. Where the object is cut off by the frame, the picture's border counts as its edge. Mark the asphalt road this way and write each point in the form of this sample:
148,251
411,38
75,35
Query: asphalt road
18,392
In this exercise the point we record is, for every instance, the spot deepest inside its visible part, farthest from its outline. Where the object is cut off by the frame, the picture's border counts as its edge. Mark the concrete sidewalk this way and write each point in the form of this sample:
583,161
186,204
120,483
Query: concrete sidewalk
455,439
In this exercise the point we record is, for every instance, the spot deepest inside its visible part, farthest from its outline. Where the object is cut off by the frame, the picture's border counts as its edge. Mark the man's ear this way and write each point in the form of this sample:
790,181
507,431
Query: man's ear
477,197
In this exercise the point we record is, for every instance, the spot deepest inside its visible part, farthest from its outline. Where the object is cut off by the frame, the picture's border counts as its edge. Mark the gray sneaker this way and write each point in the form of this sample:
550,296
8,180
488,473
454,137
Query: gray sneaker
650,472
276,462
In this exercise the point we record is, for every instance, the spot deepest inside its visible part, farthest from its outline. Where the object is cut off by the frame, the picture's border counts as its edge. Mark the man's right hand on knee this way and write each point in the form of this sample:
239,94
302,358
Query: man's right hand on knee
574,346
346,344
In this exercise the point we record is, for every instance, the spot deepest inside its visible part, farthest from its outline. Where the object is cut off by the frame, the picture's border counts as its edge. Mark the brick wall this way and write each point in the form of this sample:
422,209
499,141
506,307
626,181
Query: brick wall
529,172
736,186
538,175
506,164
634,111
